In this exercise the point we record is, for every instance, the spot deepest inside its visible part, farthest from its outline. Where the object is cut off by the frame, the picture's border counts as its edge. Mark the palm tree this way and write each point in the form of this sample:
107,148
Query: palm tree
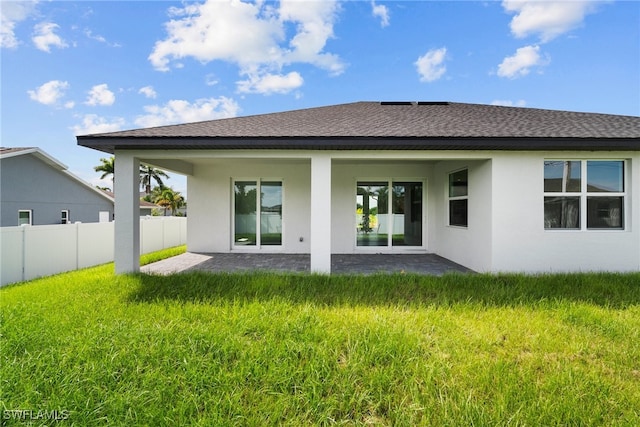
170,199
147,173
108,167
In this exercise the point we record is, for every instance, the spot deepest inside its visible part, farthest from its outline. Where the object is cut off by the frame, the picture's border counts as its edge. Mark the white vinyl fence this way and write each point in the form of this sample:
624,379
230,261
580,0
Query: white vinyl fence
29,252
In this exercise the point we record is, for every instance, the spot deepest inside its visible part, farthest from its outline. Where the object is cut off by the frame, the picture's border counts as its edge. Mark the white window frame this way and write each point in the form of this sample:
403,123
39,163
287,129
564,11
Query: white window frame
30,212
258,247
390,247
584,194
453,198
65,218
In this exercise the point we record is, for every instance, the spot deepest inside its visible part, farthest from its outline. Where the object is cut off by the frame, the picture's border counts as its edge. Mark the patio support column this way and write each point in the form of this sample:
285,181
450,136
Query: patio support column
320,213
126,184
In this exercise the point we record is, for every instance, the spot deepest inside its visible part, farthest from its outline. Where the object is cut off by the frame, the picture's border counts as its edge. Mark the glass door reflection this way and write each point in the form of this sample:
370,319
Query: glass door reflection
372,213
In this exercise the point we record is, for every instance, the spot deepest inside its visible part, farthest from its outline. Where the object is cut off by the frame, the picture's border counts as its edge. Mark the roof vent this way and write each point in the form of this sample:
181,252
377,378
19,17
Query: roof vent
396,103
414,103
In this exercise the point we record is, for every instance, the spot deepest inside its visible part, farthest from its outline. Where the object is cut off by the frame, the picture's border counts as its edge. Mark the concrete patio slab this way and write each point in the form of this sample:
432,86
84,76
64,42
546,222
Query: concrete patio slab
340,263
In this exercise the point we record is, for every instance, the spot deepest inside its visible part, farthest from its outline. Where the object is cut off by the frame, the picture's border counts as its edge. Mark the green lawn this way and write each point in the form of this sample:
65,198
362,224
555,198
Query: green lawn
287,349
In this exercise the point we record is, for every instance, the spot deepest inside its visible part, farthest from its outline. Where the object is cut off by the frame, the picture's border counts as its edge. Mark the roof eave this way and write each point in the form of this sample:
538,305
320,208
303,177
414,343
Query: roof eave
109,145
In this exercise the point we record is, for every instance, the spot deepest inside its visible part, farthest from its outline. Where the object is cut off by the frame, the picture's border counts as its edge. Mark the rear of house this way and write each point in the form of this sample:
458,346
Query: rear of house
491,188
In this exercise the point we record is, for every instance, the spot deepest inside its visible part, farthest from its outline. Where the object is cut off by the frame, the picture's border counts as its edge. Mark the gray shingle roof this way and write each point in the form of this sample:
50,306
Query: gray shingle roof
11,150
375,125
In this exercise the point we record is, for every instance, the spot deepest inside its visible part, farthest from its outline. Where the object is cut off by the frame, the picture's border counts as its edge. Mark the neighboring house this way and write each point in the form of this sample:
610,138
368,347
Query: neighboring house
146,208
492,188
37,189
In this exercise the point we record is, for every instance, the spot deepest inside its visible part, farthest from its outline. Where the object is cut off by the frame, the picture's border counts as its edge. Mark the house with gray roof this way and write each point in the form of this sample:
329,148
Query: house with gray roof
492,188
37,189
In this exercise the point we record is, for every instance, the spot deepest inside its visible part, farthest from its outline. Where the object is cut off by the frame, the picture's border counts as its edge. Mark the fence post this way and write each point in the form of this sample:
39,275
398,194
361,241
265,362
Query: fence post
24,252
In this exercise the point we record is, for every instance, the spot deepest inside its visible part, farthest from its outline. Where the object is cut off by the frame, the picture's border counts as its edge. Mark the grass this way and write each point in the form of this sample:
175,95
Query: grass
288,349
163,254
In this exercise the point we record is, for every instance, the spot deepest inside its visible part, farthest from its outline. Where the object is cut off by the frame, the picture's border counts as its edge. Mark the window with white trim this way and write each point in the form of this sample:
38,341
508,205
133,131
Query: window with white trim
459,198
25,216
584,194
257,213
64,216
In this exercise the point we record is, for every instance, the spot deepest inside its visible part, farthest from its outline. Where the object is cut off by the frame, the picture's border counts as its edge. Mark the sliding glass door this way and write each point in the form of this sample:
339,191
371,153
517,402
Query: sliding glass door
407,214
384,219
257,213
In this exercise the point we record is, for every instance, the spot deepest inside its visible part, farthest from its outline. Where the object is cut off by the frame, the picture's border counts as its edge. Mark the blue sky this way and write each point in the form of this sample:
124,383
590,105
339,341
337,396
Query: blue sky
79,67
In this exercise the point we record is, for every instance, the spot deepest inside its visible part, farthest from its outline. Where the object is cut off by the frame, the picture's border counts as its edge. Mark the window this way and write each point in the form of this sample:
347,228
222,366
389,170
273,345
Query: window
257,213
25,217
581,194
65,216
458,198
389,221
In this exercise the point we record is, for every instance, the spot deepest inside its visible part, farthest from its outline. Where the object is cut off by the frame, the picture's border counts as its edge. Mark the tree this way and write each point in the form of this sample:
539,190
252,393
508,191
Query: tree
108,167
170,199
148,173
156,192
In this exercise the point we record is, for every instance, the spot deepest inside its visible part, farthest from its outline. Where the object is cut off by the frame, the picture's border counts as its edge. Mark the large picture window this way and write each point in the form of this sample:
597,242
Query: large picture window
581,194
389,213
459,198
257,213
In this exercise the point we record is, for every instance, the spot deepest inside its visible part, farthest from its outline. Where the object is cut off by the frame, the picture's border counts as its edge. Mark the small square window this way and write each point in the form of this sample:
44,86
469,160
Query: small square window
458,213
458,184
604,212
25,217
605,177
562,212
561,176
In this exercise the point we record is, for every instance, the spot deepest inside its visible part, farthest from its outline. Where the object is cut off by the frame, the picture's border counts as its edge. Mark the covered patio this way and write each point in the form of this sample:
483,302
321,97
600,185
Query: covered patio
429,264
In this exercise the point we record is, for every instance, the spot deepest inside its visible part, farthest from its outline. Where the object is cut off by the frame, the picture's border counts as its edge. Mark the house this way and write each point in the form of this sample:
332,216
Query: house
36,189
496,189
146,208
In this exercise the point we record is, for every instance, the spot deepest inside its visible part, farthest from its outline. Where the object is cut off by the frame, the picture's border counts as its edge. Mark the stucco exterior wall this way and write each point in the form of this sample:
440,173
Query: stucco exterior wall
27,183
210,198
505,202
520,242
471,245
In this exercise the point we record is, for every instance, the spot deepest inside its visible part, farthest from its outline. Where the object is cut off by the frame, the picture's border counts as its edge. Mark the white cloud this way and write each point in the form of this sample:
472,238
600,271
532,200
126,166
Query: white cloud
92,123
12,13
45,36
90,35
100,95
430,65
210,80
253,36
271,83
180,111
521,62
509,103
549,19
50,93
148,91
382,12
314,21
99,38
